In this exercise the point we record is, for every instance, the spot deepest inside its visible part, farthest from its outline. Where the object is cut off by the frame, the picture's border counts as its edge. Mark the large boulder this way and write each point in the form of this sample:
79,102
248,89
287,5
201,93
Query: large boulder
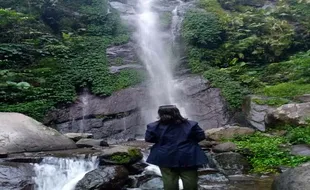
20,133
255,113
227,132
104,178
293,179
120,155
294,114
16,176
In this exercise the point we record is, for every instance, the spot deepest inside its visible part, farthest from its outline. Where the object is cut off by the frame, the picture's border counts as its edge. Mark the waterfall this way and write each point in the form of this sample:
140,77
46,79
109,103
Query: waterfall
62,173
155,51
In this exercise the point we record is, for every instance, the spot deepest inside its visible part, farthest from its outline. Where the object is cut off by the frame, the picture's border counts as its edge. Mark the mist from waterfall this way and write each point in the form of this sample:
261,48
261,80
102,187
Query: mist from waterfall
155,51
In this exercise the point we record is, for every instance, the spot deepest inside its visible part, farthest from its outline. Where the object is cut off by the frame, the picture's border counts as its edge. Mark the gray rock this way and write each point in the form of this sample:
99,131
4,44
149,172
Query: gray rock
77,136
227,132
294,114
225,147
231,163
120,155
124,54
84,143
255,113
104,178
303,98
300,150
294,179
20,133
208,144
153,184
202,103
16,176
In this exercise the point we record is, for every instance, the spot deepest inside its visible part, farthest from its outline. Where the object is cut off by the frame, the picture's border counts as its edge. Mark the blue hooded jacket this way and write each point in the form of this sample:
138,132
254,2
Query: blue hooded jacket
176,145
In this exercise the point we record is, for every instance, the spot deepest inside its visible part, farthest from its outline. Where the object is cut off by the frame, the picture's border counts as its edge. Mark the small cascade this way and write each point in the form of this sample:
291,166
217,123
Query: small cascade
62,173
84,109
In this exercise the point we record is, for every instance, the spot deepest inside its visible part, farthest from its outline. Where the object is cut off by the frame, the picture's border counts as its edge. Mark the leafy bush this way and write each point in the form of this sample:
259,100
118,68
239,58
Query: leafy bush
202,29
299,135
232,91
265,153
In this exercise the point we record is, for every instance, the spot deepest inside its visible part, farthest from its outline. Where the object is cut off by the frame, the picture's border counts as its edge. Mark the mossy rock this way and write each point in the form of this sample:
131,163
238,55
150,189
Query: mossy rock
120,155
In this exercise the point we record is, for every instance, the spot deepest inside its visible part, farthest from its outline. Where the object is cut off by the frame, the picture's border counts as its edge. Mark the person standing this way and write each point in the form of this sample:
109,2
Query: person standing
176,150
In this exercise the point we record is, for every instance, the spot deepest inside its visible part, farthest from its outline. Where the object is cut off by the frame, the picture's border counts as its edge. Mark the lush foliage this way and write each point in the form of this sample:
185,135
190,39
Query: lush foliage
252,46
231,89
48,54
265,153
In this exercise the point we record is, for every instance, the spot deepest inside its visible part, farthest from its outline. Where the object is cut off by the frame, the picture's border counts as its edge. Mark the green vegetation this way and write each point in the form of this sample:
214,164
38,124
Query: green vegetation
271,101
231,89
133,155
266,154
244,49
48,54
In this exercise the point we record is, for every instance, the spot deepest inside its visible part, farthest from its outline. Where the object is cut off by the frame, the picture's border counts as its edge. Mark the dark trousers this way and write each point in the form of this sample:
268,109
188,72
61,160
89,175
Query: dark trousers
171,177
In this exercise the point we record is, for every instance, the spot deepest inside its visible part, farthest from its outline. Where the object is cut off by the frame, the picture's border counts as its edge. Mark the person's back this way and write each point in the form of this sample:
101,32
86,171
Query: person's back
176,150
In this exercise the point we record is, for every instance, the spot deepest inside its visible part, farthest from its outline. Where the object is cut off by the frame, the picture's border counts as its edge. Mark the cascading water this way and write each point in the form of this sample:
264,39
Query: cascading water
62,173
155,52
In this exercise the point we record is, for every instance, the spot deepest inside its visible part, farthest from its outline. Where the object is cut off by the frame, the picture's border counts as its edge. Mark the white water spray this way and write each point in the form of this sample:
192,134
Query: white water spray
62,173
155,52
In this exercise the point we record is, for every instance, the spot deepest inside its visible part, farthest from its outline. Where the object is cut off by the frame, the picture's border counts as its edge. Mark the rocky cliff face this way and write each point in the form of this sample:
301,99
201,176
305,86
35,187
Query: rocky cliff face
121,116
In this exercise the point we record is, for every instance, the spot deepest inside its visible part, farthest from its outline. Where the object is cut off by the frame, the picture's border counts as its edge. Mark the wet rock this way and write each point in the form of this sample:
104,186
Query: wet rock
303,98
122,55
208,144
117,105
231,163
112,130
120,155
20,133
136,168
84,143
300,150
227,132
255,113
77,136
206,104
3,154
293,179
294,114
225,147
153,184
104,178
16,176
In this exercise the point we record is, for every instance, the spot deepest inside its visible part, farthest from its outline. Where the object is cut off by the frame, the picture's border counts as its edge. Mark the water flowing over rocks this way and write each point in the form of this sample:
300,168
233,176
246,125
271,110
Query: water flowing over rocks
294,179
294,114
20,133
16,176
104,178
